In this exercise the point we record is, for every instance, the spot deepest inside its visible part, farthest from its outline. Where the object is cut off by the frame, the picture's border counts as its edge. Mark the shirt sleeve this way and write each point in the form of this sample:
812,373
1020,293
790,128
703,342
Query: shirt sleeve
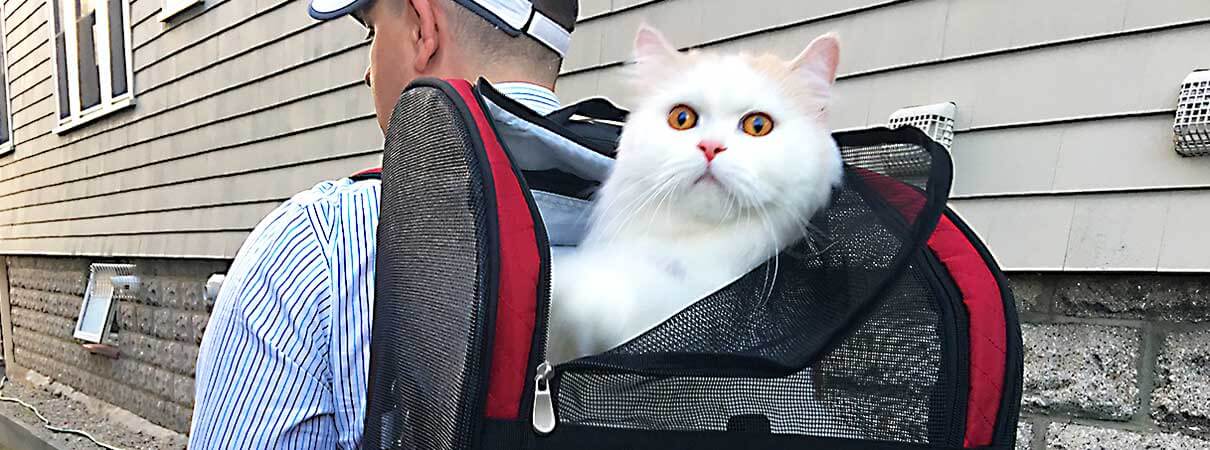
263,374
352,244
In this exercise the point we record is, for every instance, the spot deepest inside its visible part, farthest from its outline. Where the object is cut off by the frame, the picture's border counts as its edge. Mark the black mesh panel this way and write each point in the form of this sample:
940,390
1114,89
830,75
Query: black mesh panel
839,336
433,295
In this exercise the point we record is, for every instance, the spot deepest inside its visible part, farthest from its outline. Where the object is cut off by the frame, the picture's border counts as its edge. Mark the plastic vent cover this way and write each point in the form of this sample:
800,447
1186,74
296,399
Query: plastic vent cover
1192,125
936,120
95,312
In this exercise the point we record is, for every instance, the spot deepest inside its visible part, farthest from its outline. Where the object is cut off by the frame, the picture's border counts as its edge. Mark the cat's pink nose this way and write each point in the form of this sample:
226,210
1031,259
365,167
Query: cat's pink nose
711,148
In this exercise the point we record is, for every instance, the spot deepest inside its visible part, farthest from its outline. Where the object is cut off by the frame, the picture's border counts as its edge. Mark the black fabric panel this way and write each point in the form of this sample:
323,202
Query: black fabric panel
435,293
560,182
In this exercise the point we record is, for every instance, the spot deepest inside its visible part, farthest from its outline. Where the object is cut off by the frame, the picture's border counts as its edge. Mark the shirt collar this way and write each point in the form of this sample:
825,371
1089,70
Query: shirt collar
537,98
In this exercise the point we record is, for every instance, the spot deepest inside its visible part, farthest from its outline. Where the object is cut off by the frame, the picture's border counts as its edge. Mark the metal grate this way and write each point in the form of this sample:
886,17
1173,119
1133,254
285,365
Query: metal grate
97,309
1191,128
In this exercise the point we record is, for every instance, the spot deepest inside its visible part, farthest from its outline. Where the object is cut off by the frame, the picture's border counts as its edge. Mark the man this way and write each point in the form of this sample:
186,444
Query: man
285,357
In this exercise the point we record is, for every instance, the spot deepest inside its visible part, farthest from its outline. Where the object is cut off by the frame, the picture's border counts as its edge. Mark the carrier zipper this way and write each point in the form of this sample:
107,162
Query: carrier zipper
544,419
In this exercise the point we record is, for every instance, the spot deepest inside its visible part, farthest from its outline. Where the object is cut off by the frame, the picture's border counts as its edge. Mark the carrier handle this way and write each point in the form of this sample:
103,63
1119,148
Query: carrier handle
599,108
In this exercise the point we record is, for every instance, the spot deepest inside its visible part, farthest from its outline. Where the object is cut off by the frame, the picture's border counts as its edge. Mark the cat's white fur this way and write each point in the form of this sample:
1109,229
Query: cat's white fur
669,227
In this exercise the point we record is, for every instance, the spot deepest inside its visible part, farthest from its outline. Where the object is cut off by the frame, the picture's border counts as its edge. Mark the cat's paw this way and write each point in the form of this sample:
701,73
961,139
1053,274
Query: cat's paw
590,314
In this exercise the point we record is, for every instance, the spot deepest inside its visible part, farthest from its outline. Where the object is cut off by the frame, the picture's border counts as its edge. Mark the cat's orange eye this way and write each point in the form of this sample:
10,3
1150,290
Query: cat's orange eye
757,124
682,118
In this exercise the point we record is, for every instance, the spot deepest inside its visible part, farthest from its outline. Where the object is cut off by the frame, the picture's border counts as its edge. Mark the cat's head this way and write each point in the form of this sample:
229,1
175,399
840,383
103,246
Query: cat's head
724,133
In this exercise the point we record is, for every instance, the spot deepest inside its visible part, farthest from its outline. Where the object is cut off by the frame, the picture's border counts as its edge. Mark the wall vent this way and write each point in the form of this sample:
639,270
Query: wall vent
106,282
1191,128
936,120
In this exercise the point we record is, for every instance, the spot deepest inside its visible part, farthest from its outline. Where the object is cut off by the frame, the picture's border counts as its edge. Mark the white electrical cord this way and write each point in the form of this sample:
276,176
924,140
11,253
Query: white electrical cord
46,422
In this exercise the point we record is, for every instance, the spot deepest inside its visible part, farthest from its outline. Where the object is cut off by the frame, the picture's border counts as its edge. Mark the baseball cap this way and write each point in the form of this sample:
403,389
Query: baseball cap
549,21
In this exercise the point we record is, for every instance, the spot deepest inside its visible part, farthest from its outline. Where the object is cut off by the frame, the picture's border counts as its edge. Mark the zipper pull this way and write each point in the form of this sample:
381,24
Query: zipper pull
544,407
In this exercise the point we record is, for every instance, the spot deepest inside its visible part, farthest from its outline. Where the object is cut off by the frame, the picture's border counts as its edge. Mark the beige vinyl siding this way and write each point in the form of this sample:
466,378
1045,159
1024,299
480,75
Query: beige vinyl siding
1141,231
1063,152
239,106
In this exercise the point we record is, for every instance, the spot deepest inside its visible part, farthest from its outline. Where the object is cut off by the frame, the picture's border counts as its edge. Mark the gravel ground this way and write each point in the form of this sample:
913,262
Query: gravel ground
64,412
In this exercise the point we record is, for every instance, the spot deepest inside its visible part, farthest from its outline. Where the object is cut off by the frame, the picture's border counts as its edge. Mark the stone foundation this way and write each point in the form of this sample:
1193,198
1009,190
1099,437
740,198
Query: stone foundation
1115,361
157,332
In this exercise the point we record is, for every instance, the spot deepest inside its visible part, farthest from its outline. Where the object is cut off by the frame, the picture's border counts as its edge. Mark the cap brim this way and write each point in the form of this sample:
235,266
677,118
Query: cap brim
331,9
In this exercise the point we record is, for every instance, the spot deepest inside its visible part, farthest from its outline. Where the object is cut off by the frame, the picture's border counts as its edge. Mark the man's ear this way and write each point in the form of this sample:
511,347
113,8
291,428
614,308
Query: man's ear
424,37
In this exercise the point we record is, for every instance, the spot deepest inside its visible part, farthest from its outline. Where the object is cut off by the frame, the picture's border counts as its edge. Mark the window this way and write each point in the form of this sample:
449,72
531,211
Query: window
174,7
6,106
92,59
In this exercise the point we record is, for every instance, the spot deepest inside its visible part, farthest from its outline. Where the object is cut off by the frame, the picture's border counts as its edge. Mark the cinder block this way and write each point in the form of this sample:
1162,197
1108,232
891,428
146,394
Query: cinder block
1025,433
1067,436
1182,298
1181,399
1032,291
1083,370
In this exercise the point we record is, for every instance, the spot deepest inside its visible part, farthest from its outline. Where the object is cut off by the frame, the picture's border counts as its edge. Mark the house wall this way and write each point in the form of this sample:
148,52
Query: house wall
157,332
239,104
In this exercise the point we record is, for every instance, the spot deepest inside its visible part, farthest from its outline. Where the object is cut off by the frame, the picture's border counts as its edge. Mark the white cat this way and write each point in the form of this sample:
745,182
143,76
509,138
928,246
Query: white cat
721,166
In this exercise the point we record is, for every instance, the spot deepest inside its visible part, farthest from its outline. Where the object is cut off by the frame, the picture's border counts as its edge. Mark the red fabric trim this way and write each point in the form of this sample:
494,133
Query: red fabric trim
988,339
517,293
370,171
898,195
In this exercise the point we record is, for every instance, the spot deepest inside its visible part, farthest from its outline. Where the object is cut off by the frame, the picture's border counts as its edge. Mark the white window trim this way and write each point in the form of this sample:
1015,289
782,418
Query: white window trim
7,147
173,7
109,104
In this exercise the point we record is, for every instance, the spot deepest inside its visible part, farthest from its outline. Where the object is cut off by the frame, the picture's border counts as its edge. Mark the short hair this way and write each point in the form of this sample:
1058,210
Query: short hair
492,42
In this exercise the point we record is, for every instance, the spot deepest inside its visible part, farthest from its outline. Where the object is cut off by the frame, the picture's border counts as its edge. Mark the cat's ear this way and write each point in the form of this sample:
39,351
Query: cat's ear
651,47
819,60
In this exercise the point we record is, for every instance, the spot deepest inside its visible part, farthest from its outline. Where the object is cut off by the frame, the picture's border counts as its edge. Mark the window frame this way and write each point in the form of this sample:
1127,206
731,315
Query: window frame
173,8
8,146
109,104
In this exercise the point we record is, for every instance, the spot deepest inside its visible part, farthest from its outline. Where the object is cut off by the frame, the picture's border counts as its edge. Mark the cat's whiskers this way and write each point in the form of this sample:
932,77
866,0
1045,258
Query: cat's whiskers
809,232
761,214
658,206
632,187
770,275
668,184
727,213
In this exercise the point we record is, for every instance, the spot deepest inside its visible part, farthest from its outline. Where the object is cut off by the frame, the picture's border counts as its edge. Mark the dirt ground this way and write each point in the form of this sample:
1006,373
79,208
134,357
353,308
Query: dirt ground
65,412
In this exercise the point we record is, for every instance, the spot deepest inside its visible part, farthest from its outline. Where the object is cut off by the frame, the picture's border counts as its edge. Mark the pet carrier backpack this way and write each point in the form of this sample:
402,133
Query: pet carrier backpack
895,330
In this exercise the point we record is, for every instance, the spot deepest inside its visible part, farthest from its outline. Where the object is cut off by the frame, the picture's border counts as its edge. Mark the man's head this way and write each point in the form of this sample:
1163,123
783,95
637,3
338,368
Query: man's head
502,40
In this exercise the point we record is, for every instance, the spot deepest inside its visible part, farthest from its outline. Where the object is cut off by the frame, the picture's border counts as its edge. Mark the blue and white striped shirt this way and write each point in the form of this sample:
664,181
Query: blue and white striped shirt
285,357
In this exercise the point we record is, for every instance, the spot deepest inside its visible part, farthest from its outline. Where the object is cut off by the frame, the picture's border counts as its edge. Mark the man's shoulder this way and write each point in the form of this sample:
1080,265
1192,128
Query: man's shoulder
335,192
322,211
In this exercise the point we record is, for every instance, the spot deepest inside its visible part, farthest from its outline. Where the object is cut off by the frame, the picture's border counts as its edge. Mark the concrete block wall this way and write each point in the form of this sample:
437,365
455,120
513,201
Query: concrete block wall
1112,361
1115,361
158,333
